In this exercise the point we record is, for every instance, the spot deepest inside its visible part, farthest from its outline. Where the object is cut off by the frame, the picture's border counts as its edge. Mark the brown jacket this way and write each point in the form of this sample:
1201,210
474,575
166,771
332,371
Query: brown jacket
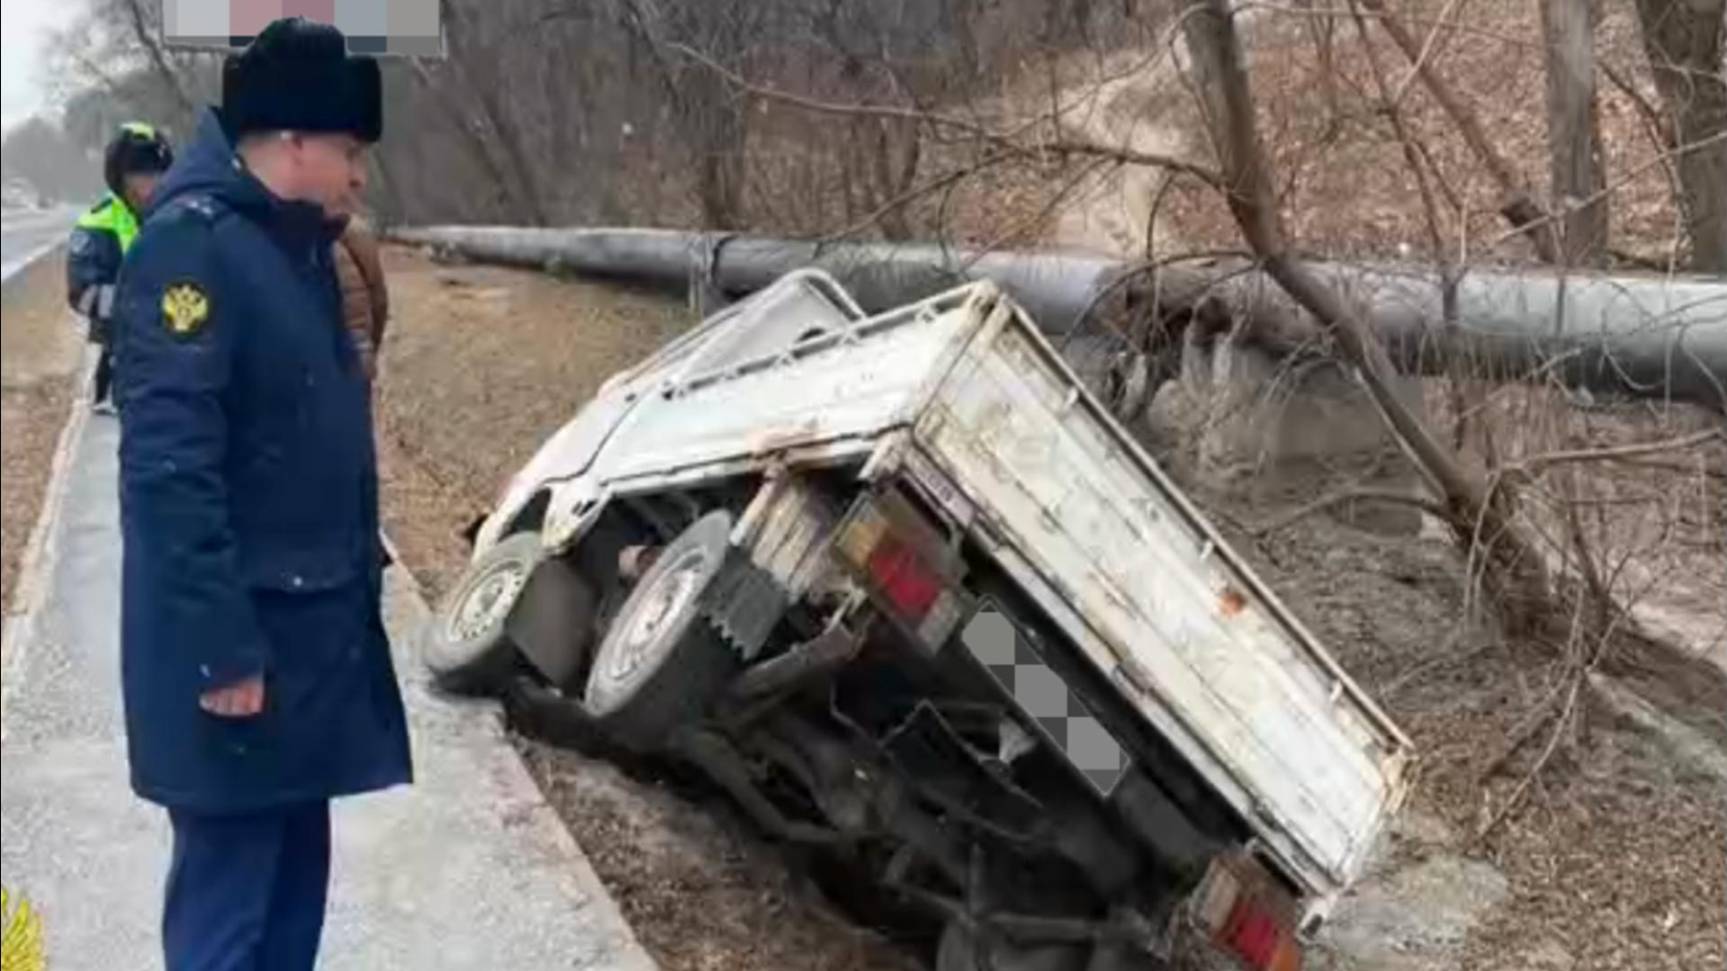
365,296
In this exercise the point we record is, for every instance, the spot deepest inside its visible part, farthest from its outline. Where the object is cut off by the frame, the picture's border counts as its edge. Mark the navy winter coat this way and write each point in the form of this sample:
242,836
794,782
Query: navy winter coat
249,503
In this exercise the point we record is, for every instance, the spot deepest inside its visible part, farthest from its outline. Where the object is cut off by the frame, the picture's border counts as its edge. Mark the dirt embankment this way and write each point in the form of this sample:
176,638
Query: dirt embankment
1617,856
40,351
480,364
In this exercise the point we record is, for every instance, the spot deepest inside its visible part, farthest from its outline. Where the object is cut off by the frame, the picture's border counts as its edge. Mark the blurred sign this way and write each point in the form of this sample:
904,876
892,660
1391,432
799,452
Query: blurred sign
406,28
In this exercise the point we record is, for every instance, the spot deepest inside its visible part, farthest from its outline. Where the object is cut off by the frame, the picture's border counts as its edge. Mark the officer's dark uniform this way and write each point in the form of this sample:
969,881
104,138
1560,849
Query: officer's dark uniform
249,506
102,236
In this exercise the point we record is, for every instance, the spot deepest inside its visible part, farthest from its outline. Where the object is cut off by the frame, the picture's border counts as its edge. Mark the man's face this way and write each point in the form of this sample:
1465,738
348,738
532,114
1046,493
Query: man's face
140,188
331,170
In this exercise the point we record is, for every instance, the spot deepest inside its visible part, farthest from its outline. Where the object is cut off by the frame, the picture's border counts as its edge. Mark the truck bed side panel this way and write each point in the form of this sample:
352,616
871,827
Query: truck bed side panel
1219,668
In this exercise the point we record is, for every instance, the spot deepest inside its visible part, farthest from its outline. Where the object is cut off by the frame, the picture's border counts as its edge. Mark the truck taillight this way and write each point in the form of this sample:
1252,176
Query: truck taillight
907,583
1244,910
899,558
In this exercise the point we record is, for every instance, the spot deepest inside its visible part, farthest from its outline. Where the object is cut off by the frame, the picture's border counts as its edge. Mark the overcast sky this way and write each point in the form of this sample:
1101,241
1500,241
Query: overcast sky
26,21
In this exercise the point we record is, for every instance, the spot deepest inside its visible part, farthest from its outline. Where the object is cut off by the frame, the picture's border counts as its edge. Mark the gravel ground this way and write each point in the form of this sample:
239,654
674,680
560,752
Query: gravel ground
1617,856
39,353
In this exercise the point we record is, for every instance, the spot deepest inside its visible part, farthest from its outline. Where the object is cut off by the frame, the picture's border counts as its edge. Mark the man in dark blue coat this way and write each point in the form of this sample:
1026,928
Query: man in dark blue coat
257,677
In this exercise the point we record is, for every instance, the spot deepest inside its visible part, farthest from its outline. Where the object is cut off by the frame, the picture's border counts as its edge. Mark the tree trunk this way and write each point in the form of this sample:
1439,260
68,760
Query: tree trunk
1685,41
1573,132
476,142
487,92
146,38
1479,520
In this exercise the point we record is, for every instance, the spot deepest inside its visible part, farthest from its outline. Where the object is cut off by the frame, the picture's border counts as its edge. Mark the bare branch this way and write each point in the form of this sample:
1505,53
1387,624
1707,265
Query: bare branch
1059,146
929,187
158,58
1443,25
1622,451
1323,503
1468,501
1518,206
1407,140
1627,177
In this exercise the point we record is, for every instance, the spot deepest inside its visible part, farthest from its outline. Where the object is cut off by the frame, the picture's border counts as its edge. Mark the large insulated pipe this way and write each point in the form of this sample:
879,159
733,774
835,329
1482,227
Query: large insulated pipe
1651,336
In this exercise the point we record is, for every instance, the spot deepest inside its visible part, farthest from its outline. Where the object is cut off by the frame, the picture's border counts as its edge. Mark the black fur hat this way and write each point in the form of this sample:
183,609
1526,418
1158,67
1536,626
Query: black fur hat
297,76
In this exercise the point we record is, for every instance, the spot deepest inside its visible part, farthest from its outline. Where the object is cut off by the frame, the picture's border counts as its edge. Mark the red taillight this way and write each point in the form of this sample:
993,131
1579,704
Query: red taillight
902,561
1258,938
902,578
1242,908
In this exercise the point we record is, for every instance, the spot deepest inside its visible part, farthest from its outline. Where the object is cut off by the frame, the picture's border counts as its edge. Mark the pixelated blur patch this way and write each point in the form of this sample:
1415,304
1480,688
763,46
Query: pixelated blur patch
21,943
1040,694
185,308
383,28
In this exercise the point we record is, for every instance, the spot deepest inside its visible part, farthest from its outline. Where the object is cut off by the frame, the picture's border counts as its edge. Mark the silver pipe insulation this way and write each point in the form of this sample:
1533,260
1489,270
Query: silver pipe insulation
1649,336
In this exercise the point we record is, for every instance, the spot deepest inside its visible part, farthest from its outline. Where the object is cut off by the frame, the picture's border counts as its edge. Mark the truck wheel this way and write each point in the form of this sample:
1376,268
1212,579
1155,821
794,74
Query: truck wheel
661,661
465,645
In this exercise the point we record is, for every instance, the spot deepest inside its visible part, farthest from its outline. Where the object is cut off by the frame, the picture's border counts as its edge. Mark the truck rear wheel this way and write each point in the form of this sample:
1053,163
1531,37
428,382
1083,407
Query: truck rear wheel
661,662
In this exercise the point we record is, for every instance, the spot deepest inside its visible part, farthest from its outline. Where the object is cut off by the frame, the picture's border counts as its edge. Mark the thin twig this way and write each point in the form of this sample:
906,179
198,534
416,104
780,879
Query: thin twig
915,192
1517,794
1407,140
1625,179
1620,451
1059,146
1518,206
1350,495
1441,658
1661,132
1428,47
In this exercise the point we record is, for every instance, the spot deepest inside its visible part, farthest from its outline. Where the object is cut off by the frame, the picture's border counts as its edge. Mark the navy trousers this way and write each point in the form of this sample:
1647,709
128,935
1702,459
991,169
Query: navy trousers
247,892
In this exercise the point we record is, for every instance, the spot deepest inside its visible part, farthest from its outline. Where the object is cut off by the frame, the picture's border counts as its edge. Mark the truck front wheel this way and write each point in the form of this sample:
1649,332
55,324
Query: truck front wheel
465,644
661,661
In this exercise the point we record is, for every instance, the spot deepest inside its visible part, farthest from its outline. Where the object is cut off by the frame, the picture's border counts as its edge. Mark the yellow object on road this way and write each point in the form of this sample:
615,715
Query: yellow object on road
21,948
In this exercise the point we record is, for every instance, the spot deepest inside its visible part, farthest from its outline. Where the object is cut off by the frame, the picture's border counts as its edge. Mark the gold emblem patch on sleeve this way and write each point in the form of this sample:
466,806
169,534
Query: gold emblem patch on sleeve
185,308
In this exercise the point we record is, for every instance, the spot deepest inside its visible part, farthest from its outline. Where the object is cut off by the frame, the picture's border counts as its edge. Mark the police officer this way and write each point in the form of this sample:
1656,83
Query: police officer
131,165
257,679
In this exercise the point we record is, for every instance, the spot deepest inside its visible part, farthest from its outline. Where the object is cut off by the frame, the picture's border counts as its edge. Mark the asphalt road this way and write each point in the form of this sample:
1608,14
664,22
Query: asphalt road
26,233
468,869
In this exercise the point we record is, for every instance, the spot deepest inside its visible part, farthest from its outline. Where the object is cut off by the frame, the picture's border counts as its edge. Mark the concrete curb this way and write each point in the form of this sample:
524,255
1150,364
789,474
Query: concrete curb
513,777
36,563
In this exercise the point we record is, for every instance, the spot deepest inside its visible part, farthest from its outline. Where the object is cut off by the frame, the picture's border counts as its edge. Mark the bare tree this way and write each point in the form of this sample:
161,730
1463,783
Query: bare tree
1518,206
1573,133
1478,516
1686,41
146,27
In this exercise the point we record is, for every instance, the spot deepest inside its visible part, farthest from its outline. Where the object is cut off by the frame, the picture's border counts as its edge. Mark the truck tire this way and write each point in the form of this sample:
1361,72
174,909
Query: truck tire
465,645
661,661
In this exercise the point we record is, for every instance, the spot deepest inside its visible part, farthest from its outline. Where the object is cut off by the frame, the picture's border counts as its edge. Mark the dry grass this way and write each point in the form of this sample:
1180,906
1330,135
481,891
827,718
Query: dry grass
39,352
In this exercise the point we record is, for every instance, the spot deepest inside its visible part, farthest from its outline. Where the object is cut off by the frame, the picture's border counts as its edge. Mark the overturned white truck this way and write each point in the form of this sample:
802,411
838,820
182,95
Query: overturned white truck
905,591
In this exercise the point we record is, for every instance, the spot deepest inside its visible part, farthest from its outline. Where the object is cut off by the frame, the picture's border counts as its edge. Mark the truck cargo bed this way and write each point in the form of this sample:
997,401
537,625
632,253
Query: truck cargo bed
1083,520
